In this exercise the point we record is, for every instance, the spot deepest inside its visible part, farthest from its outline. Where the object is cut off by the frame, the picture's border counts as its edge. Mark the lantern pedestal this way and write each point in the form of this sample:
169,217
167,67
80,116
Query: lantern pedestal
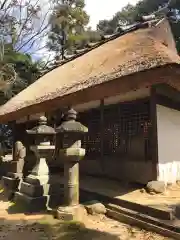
40,190
71,153
72,211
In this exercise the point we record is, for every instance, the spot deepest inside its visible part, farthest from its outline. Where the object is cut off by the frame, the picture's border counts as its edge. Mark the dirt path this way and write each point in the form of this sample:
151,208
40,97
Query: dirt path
97,228
18,226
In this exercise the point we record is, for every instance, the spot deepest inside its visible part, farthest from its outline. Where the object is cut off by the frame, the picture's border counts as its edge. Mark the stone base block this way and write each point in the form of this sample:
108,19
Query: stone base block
37,180
37,204
71,213
41,190
31,204
10,185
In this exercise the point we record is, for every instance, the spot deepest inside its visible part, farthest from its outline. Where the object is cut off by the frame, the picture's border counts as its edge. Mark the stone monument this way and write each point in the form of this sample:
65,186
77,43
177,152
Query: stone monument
70,133
13,179
38,187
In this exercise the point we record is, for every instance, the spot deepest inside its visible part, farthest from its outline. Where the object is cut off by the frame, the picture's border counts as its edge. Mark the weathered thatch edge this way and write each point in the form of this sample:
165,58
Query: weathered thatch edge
168,74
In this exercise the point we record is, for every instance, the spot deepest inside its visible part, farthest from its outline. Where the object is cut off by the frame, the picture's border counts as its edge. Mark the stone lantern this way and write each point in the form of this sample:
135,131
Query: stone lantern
70,133
42,149
34,189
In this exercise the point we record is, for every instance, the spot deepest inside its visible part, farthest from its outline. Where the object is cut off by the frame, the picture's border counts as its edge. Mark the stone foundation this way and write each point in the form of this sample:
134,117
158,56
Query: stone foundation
38,197
10,185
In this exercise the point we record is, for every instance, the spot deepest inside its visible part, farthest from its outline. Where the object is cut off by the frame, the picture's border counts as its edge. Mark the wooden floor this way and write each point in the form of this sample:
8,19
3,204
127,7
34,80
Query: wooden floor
118,190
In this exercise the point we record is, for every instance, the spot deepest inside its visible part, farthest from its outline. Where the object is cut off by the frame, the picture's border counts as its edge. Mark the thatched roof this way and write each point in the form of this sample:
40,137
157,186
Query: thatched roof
119,56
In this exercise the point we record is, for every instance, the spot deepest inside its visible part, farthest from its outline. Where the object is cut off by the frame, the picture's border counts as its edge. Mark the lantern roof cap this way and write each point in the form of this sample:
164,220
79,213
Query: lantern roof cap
70,125
42,128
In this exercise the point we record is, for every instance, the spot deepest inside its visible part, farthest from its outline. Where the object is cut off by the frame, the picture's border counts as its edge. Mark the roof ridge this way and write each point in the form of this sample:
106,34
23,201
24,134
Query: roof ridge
92,46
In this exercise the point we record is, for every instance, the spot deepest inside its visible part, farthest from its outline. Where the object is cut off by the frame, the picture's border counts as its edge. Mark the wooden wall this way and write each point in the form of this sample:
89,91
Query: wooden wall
118,142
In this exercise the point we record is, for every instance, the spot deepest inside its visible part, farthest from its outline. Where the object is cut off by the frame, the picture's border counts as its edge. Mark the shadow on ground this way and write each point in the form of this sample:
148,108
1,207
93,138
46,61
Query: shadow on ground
75,230
49,229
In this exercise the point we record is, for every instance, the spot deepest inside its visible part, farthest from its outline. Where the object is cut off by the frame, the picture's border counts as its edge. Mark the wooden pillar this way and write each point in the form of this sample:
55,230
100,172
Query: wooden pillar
153,136
102,132
13,127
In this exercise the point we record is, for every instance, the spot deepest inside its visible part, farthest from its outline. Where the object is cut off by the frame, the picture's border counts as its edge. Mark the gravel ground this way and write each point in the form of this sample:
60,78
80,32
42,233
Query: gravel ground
18,226
120,230
94,228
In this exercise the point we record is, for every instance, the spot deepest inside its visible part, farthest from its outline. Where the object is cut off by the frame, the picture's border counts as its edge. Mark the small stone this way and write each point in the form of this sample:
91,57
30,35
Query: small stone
95,207
71,213
156,187
142,190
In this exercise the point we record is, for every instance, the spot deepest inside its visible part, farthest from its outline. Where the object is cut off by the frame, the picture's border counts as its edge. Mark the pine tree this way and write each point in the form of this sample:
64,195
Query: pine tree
68,23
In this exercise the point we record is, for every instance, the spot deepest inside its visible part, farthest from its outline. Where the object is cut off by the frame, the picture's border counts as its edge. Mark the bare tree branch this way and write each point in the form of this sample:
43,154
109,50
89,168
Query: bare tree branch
3,4
26,21
20,12
31,38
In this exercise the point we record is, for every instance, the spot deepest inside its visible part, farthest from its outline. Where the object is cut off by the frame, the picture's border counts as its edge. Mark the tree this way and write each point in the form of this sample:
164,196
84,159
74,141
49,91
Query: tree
68,27
22,29
23,25
6,139
25,72
123,17
131,14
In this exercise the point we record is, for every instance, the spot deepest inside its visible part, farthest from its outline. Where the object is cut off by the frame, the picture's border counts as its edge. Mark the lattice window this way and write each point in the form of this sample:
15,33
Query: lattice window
92,141
125,131
125,127
114,129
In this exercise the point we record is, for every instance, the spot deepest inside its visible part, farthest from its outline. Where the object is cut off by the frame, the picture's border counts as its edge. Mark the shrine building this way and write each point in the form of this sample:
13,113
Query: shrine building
125,89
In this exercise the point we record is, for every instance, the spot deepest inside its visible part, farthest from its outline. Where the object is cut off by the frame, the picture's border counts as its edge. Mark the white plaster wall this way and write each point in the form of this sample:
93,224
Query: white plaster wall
168,130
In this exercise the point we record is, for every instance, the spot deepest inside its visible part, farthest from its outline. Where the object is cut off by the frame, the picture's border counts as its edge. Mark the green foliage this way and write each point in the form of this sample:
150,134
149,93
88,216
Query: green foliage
18,33
68,27
130,14
24,69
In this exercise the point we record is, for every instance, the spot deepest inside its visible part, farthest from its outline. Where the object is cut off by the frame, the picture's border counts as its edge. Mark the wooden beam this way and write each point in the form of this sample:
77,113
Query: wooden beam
168,91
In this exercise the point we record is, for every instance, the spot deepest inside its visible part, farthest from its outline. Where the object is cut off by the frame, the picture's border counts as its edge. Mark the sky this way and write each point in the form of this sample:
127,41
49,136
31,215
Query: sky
104,9
96,9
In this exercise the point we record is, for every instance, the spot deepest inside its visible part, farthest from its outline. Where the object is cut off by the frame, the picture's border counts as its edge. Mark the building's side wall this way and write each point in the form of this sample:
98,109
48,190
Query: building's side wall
117,145
119,169
168,132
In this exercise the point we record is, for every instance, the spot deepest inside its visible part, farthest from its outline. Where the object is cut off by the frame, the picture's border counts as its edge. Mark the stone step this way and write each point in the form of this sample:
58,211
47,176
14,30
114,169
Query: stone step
142,221
148,210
